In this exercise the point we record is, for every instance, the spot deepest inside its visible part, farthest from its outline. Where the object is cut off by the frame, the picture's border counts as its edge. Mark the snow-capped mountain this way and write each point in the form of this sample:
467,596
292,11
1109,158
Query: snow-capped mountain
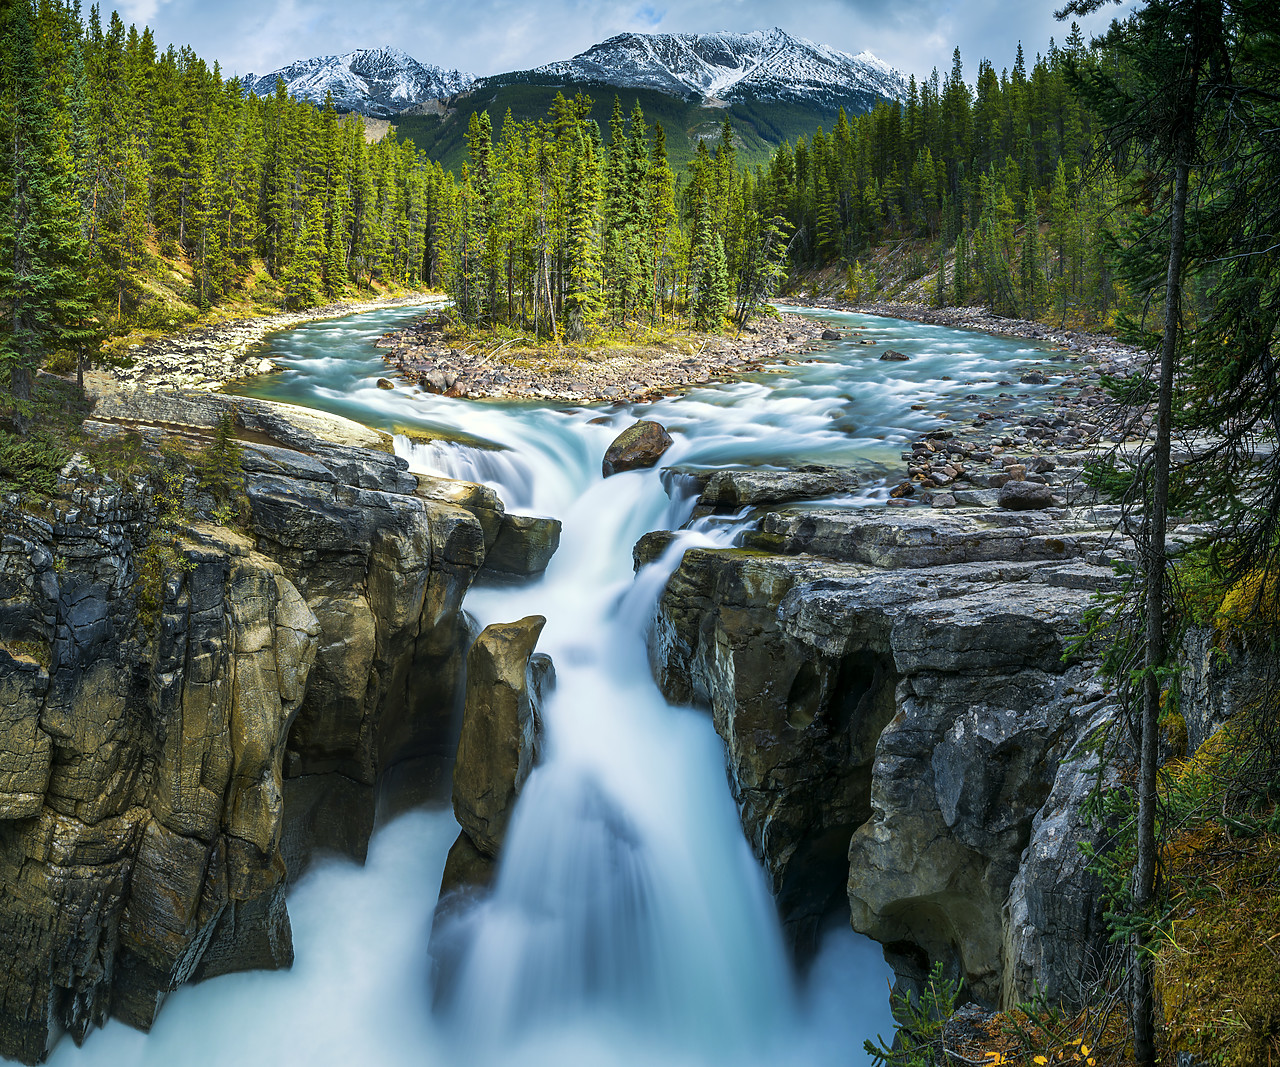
764,65
379,82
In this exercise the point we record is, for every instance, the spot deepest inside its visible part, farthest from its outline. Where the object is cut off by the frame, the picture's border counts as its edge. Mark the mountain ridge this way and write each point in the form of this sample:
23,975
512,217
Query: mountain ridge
714,69
727,66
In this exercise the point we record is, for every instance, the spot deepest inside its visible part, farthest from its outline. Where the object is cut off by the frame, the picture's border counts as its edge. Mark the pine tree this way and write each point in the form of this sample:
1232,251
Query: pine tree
712,301
1152,104
1032,287
663,216
583,301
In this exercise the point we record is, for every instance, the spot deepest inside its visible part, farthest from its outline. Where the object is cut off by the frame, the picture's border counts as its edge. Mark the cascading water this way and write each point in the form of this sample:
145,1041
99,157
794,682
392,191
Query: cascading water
627,902
629,923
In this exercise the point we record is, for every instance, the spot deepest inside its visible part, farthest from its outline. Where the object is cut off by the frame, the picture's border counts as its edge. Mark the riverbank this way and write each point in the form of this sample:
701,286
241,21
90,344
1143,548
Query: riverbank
426,355
967,463
210,357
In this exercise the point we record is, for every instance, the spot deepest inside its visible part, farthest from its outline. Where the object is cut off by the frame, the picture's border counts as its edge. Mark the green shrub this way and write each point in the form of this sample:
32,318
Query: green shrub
61,362
31,464
920,1026
219,473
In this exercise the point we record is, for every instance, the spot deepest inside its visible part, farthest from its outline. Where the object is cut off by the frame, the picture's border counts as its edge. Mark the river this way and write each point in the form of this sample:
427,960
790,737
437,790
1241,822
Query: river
630,923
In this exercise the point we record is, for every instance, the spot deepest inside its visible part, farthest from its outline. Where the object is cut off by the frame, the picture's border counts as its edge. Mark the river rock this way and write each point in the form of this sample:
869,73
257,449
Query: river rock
730,490
921,538
638,446
499,741
523,548
650,547
1025,496
479,501
832,335
304,430
894,356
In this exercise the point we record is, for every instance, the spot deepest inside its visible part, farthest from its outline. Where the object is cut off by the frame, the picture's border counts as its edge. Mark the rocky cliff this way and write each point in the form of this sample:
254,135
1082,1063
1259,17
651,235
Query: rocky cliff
177,737
898,698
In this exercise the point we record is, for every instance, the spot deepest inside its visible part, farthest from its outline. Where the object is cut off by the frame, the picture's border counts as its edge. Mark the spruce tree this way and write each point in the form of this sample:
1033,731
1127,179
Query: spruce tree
1152,105
304,281
712,301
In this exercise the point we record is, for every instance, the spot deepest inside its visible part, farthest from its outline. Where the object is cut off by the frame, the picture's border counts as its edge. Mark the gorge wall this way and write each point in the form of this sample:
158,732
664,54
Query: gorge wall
906,726
174,745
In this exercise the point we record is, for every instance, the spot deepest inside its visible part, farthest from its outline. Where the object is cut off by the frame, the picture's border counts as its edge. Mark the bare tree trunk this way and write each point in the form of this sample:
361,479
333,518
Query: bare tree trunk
1144,874
20,387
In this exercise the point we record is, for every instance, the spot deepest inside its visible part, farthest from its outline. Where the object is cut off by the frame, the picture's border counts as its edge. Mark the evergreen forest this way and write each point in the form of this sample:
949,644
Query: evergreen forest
998,191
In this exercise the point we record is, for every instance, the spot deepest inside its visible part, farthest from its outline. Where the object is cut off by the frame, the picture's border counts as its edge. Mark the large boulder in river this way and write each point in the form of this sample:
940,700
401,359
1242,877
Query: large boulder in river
1025,496
638,446
499,739
523,548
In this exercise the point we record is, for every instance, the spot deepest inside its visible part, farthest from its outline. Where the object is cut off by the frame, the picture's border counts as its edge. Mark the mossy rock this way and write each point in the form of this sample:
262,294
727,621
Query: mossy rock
425,435
1253,601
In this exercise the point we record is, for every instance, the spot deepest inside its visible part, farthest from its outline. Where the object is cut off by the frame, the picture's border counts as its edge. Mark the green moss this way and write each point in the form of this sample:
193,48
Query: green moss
1218,971
37,651
1174,727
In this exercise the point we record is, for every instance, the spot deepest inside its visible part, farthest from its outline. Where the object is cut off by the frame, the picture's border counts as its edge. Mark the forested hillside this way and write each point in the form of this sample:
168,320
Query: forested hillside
759,127
995,191
151,157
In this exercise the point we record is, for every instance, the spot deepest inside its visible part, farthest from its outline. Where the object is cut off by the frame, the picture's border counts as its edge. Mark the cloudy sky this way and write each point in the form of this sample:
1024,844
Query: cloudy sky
492,36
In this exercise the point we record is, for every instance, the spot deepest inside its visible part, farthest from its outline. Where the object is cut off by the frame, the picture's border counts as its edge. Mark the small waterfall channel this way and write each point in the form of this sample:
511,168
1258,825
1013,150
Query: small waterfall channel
630,923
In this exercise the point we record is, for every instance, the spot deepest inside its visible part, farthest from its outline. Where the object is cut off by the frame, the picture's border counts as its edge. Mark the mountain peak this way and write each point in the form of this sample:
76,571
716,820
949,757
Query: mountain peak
379,82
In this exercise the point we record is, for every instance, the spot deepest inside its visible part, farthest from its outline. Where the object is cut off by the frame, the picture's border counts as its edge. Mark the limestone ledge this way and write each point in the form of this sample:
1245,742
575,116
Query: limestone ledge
163,776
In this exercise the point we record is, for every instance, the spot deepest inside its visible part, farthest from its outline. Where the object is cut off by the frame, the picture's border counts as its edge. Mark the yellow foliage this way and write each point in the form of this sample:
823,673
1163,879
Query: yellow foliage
1253,600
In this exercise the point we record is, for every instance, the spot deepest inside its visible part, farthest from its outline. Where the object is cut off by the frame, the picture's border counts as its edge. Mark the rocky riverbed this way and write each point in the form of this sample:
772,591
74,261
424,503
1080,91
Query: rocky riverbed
210,357
981,318
1015,439
423,354
1016,453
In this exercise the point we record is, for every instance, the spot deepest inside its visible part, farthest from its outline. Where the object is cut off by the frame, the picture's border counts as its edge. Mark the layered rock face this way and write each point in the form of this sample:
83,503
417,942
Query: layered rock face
896,698
165,770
